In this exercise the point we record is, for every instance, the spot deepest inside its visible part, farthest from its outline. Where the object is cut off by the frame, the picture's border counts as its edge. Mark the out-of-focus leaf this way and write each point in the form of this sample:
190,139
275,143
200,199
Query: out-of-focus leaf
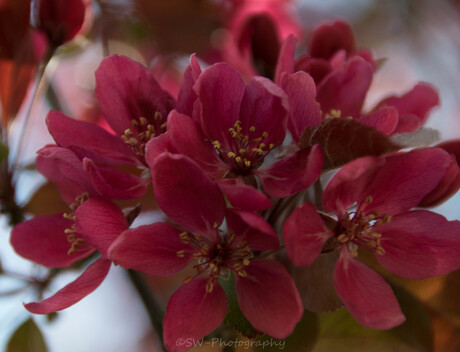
235,318
343,140
340,332
27,338
315,284
4,151
423,137
46,201
417,330
303,339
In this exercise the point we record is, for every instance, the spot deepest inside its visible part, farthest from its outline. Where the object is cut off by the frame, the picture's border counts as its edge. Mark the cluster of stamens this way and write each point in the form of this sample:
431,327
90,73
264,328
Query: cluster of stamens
76,242
216,260
357,229
142,131
248,150
336,114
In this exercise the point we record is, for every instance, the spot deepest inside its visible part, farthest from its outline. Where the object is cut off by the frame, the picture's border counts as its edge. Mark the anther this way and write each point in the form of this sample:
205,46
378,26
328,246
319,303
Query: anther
265,134
252,128
143,121
181,253
231,155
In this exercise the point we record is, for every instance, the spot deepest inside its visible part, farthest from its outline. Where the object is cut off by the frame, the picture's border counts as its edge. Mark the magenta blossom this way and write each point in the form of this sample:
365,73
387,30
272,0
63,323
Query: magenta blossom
234,130
193,201
55,241
372,200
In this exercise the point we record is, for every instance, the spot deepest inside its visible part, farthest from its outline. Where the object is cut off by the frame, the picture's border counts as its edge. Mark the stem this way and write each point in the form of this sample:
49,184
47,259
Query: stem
154,310
39,86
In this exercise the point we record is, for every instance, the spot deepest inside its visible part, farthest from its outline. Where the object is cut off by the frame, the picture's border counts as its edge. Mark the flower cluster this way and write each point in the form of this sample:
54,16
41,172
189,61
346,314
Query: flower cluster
237,164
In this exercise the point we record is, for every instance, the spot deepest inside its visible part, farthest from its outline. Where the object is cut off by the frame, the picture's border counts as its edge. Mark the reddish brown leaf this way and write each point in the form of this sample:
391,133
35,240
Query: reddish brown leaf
46,201
344,140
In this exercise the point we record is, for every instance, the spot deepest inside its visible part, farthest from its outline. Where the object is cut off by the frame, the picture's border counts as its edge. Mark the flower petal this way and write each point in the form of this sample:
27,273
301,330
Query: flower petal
243,196
418,101
345,88
316,68
186,194
275,312
113,183
86,283
88,140
43,240
366,295
384,119
126,90
293,173
329,38
304,112
286,58
151,249
404,180
251,228
187,95
305,235
192,313
100,222
420,244
220,90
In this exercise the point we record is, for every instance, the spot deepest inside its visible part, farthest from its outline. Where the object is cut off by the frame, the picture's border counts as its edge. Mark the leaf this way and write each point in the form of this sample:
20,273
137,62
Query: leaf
27,338
303,339
235,318
343,140
46,201
4,151
316,286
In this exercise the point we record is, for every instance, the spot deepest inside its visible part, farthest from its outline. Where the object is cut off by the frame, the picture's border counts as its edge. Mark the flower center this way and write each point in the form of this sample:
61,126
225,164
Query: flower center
247,150
142,131
215,260
357,229
75,241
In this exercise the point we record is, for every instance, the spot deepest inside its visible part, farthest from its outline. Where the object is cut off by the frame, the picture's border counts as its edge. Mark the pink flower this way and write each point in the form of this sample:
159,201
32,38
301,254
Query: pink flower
135,107
371,198
56,241
234,129
196,204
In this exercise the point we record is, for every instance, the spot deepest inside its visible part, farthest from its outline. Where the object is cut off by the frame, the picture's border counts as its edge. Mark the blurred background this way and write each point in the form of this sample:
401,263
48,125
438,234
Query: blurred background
420,40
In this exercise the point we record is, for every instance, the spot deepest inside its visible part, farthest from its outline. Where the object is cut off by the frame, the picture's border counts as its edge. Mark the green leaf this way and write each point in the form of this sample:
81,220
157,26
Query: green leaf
235,318
343,140
303,339
4,151
27,338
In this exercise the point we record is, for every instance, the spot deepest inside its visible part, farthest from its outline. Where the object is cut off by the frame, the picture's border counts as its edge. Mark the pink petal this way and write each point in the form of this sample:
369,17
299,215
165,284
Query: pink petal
305,235
407,123
420,244
43,241
328,38
157,146
100,222
268,298
126,90
264,106
151,249
304,112
348,185
448,186
186,194
88,140
345,88
286,58
86,283
192,313
404,180
243,196
418,101
293,173
187,138
112,183
384,119
187,95
220,90
251,228
366,295
316,68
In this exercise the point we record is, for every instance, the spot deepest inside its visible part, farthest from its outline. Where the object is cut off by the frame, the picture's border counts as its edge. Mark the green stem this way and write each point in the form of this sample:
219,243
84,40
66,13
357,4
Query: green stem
154,310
